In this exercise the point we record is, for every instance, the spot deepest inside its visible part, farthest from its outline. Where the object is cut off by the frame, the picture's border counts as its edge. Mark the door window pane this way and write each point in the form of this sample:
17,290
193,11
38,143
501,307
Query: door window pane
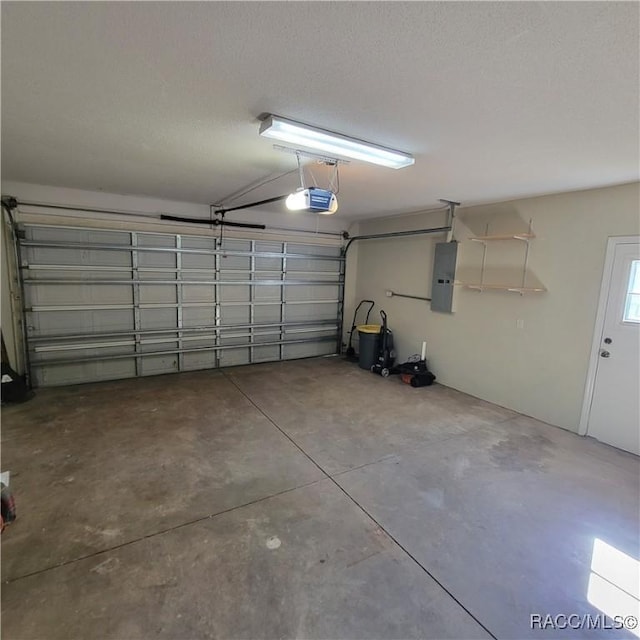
632,302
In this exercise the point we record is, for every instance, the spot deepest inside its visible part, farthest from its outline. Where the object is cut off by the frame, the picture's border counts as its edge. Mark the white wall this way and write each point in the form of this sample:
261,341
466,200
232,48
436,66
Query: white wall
539,369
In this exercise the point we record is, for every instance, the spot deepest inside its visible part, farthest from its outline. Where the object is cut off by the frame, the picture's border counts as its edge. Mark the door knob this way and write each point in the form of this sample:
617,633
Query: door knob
604,354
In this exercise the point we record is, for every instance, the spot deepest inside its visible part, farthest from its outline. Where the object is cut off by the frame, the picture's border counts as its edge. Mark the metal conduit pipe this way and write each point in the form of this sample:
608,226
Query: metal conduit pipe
393,294
396,234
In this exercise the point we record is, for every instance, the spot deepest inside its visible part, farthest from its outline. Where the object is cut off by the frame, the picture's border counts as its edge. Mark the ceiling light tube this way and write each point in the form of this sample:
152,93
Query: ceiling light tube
332,144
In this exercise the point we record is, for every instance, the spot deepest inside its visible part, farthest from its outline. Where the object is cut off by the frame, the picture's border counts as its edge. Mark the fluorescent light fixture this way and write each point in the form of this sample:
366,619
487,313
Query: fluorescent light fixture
332,144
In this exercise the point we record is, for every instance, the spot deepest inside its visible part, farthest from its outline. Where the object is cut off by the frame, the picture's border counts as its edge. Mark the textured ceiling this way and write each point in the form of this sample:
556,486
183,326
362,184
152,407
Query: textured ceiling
495,100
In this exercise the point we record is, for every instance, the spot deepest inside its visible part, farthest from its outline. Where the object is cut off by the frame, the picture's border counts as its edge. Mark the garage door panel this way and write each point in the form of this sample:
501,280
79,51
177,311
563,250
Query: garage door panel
308,312
156,342
316,332
150,259
204,262
267,293
199,360
95,352
237,245
267,335
199,242
234,357
156,318
202,340
54,323
85,237
198,316
76,257
138,303
266,354
265,246
312,249
73,294
234,293
156,293
229,262
233,338
313,276
157,275
156,365
268,264
84,368
235,315
83,372
310,350
310,265
311,292
198,293
155,240
79,271
267,313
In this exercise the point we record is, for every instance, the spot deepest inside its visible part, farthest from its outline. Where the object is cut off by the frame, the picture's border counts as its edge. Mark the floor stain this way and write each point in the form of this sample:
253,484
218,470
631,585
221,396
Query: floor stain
522,452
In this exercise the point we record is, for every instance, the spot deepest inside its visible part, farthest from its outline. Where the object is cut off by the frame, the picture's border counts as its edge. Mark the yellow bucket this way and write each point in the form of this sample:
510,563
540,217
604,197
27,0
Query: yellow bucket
369,328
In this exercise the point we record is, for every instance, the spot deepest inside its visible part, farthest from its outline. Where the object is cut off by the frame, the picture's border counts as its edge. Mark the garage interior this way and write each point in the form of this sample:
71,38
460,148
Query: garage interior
192,448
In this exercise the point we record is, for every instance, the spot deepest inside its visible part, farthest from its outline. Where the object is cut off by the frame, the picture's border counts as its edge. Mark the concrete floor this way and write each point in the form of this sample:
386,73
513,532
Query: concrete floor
305,499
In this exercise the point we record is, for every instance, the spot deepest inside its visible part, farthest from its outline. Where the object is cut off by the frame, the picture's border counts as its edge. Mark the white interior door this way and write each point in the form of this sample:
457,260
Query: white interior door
615,409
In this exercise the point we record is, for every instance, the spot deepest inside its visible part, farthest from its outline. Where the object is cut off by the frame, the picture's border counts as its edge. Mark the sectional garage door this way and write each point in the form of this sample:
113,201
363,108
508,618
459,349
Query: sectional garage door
103,304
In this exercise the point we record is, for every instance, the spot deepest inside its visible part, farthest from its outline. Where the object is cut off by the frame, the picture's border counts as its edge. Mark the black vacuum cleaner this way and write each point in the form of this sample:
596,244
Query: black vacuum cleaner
386,355
351,352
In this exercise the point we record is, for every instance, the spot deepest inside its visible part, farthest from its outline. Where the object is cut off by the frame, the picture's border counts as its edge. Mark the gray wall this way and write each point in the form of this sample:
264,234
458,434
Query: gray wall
529,353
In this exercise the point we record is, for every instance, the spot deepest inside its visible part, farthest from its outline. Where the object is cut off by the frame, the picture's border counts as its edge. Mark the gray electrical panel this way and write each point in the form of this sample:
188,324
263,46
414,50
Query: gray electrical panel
444,273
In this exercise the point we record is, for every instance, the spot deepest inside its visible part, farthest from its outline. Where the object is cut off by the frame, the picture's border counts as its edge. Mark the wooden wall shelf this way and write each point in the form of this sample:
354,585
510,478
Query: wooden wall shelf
482,286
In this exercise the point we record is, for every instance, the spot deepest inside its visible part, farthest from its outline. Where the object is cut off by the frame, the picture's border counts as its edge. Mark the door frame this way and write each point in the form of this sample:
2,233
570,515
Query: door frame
612,243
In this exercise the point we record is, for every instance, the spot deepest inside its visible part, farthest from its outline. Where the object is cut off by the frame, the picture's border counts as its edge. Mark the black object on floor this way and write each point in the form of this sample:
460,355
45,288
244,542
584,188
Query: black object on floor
415,372
14,387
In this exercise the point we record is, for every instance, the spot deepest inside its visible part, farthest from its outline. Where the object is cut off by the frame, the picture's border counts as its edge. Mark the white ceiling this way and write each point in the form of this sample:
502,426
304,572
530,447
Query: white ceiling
495,100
